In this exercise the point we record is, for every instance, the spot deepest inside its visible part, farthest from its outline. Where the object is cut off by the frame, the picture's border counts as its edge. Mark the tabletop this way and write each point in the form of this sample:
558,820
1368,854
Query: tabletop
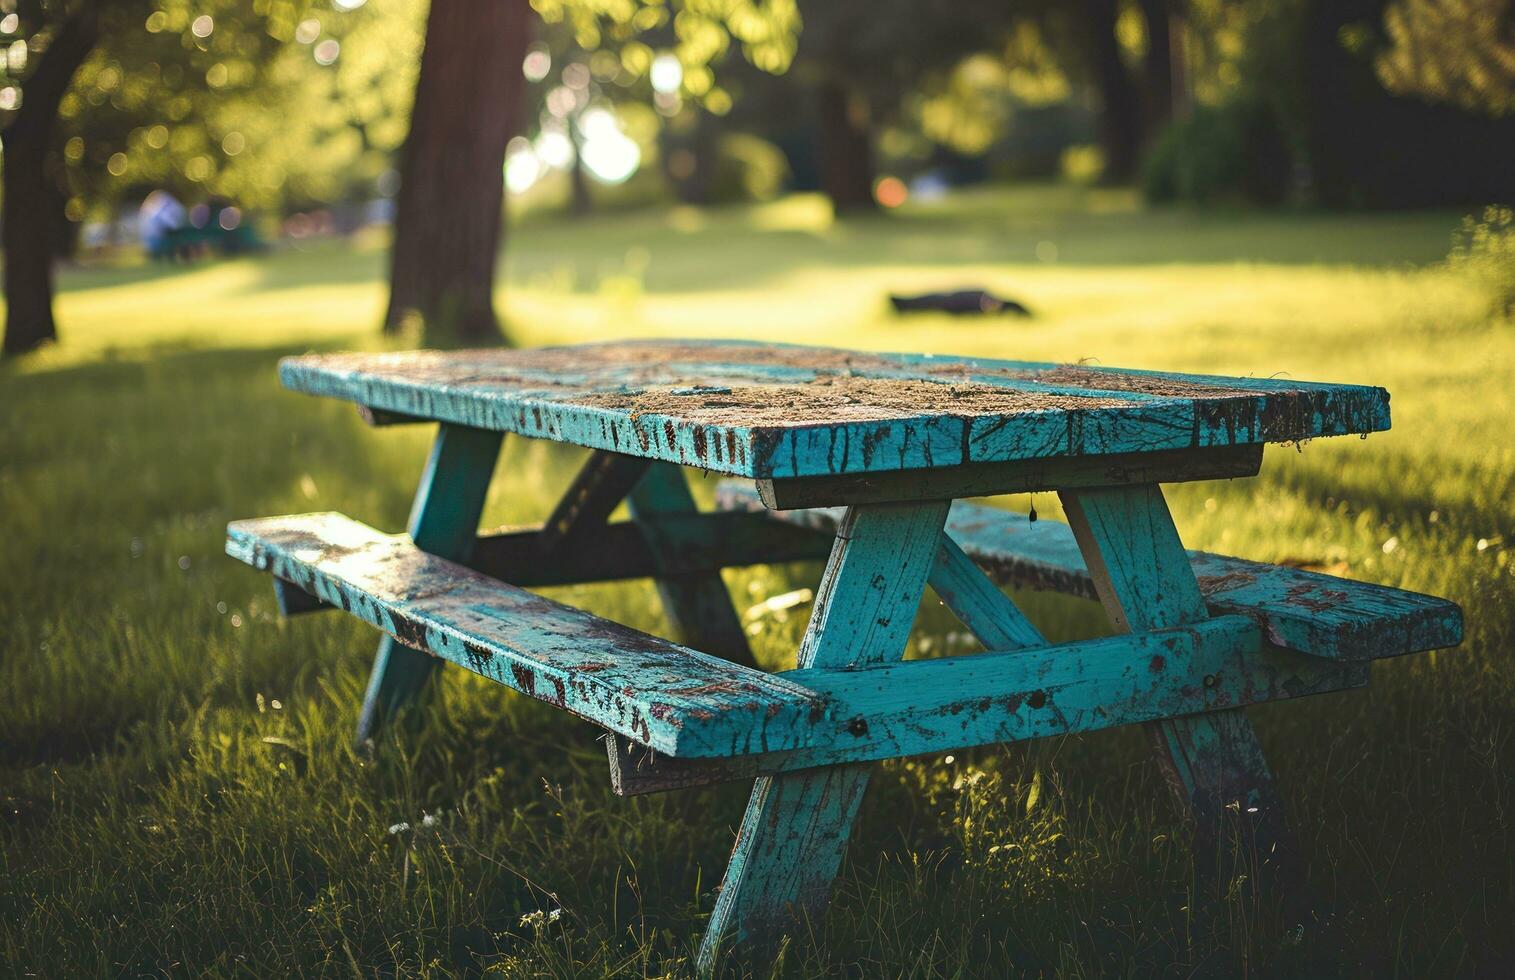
780,410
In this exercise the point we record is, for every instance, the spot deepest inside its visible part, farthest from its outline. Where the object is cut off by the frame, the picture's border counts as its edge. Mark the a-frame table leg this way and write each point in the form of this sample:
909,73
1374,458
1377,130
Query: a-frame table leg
1212,761
698,605
444,520
795,831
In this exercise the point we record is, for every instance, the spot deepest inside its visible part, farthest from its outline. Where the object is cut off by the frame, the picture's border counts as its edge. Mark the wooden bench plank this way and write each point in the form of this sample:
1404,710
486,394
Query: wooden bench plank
687,705
678,701
778,411
1321,615
922,706
684,544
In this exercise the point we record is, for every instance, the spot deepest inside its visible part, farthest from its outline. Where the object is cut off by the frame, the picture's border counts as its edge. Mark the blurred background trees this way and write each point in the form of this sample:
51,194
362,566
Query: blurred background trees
287,118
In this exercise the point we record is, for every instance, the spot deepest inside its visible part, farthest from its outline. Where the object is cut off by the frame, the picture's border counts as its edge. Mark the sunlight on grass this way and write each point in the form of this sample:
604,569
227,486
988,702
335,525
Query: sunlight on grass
175,766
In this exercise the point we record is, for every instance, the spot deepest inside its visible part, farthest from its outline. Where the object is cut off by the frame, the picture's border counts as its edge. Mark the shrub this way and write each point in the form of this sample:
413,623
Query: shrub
748,169
1484,250
1233,151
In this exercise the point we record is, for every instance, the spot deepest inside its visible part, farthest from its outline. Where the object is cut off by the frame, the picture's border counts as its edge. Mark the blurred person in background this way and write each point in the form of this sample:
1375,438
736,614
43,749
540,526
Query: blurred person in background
160,217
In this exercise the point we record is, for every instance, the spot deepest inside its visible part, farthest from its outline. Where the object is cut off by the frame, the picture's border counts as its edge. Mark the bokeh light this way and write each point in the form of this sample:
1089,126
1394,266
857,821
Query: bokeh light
890,192
612,159
537,63
327,51
202,25
345,5
561,101
554,148
522,166
576,76
307,31
667,73
608,153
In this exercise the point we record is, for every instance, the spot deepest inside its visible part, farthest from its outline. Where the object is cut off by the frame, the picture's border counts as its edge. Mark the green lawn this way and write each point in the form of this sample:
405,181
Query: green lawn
179,791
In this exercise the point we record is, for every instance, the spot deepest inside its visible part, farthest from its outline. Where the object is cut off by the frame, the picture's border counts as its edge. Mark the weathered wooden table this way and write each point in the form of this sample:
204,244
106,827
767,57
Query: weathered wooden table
856,458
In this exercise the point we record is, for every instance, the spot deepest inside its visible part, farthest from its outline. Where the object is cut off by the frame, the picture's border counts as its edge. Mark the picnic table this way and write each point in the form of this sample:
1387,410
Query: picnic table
860,459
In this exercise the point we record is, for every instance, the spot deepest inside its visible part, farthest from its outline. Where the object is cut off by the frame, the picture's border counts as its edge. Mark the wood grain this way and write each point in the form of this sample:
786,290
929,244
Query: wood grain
1321,615
771,411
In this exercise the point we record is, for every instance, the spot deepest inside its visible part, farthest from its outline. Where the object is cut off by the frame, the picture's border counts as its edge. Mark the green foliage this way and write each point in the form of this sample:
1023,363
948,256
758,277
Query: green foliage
158,105
1358,144
1484,250
747,169
160,817
1456,51
1237,151
698,32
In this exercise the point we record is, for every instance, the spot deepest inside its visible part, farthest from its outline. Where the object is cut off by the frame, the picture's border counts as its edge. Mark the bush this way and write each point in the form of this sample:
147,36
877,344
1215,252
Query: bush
748,169
1234,151
1484,250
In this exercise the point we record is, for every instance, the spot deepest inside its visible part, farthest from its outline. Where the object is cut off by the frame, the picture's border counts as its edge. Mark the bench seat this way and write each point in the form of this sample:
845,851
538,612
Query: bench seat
696,709
1315,614
678,701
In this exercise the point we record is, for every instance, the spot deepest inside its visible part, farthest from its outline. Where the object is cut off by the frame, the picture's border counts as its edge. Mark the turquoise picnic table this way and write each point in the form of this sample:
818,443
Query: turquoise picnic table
860,459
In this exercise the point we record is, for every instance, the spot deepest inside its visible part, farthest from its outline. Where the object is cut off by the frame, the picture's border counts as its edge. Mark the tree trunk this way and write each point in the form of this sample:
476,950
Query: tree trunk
1158,65
846,148
580,201
449,211
1120,110
30,202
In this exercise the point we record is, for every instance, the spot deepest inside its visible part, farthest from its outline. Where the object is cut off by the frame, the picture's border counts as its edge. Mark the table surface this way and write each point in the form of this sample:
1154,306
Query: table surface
779,410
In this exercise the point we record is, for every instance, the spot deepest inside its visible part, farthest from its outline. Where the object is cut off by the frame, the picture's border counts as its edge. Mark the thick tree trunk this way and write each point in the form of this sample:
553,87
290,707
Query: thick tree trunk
29,222
846,148
1120,124
1157,66
449,212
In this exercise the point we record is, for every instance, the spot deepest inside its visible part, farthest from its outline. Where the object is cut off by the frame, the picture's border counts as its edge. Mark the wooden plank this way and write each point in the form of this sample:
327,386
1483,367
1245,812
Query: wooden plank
933,706
795,830
987,612
292,601
444,521
1213,761
697,602
1322,615
1018,476
686,704
688,544
774,411
378,417
673,699
597,489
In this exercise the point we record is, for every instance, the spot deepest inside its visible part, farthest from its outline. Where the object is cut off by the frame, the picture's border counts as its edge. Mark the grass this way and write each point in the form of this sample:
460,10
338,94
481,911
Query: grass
180,795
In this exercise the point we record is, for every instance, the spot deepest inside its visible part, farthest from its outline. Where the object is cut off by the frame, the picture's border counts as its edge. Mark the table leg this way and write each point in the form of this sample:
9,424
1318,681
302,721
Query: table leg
698,605
1212,761
444,520
795,830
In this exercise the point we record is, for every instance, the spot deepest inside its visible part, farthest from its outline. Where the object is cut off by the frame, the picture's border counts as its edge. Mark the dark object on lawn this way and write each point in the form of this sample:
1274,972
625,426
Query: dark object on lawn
960,302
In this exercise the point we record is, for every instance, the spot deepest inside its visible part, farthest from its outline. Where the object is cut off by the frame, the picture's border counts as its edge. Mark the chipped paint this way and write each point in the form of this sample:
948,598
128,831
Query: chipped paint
777,411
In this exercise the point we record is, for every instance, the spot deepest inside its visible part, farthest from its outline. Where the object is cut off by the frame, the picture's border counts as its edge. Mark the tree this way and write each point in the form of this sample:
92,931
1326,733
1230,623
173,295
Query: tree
63,36
860,58
1455,51
100,97
1120,104
448,220
448,216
